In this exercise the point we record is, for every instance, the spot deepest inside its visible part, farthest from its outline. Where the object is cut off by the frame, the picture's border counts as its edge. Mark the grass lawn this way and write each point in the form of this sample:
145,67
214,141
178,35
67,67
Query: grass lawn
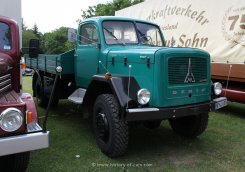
73,147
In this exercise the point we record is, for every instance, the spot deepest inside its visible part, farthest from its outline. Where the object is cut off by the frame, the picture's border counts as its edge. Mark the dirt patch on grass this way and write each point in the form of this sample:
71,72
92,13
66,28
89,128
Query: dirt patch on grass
183,159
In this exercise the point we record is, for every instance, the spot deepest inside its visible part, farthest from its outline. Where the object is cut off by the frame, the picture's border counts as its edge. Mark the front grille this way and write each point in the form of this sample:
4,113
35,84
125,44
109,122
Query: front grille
5,83
187,70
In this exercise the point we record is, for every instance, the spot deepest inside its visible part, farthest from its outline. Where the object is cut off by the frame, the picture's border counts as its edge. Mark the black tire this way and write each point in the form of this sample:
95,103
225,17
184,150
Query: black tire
111,132
42,100
190,126
152,124
55,100
15,163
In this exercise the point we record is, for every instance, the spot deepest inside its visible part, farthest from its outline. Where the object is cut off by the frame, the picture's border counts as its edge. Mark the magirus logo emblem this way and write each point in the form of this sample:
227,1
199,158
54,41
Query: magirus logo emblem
189,76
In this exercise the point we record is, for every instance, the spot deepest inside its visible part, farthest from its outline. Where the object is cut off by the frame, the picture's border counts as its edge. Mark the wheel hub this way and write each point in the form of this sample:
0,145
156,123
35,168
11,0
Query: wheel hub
102,127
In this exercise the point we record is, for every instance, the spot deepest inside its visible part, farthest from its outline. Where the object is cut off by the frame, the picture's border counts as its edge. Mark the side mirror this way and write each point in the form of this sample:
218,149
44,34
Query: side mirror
72,35
34,48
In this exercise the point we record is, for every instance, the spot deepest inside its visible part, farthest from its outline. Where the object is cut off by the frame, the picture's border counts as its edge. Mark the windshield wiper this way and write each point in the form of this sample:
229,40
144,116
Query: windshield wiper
141,35
111,33
119,41
146,38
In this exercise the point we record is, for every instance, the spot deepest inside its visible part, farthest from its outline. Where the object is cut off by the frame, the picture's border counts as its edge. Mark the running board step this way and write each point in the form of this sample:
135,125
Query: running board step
77,96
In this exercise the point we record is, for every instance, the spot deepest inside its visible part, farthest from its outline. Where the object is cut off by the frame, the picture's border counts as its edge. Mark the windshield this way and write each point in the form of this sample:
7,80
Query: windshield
119,32
149,34
5,37
124,32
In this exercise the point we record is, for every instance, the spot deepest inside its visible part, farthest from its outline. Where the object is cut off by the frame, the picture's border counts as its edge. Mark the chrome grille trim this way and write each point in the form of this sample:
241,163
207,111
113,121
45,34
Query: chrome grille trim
5,83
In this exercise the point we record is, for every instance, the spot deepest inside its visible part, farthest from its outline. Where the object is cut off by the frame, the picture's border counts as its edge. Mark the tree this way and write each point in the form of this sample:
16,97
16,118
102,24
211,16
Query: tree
35,31
24,27
108,9
56,42
26,36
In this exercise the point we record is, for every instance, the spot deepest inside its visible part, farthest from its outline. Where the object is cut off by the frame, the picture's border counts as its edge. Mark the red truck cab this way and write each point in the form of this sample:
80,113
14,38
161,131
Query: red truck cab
20,132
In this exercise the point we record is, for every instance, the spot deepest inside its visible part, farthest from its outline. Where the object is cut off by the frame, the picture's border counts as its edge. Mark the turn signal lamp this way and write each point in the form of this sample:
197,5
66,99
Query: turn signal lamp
29,117
23,65
107,76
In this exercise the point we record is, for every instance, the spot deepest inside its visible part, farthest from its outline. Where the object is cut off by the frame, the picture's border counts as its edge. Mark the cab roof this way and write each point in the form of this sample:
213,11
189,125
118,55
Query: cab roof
100,19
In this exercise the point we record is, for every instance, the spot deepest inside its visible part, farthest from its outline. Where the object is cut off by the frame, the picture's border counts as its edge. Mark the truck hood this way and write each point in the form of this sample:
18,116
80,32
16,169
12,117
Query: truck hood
147,54
132,54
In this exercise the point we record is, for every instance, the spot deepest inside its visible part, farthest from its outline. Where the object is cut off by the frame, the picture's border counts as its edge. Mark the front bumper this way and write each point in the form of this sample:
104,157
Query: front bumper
143,114
24,143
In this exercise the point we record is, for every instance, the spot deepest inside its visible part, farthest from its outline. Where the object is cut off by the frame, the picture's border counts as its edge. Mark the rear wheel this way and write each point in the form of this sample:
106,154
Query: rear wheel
111,132
190,126
42,99
15,163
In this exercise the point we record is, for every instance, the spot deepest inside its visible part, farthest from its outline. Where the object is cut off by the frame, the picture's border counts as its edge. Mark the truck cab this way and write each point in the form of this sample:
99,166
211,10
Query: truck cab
121,72
20,132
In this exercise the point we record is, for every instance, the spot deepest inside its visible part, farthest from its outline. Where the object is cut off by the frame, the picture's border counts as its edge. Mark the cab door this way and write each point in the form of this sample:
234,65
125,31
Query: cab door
87,54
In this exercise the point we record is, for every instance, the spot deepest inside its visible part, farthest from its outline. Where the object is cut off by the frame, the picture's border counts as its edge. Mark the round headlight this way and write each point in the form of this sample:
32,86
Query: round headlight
11,119
217,88
143,96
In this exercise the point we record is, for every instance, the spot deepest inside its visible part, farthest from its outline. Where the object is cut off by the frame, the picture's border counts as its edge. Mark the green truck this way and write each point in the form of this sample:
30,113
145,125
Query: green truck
121,72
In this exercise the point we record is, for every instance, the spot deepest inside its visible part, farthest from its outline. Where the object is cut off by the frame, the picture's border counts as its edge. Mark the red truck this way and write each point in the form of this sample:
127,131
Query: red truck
20,132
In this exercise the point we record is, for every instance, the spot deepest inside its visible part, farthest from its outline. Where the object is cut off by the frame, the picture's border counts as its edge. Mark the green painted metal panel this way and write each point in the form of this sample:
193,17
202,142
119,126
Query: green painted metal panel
155,76
86,64
168,94
48,63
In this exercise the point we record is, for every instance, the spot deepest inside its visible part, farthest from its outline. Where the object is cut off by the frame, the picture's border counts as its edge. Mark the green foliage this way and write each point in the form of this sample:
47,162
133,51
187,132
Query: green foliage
109,8
56,42
26,36
36,31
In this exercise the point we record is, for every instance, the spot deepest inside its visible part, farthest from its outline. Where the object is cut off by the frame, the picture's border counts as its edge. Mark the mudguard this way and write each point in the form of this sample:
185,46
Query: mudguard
118,85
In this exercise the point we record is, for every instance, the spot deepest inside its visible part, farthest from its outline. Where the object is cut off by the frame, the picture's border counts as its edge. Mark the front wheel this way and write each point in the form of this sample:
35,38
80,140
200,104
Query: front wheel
15,163
190,126
111,132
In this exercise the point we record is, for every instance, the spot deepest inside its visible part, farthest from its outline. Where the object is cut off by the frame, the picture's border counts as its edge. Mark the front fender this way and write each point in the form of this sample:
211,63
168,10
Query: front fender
125,89
30,105
116,85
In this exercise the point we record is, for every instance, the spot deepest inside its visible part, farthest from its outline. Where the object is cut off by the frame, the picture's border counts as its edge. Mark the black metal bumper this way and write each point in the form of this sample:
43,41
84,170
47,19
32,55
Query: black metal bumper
142,114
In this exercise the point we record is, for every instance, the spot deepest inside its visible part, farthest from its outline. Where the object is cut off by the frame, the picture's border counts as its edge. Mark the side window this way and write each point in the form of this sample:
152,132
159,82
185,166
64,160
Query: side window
88,34
5,37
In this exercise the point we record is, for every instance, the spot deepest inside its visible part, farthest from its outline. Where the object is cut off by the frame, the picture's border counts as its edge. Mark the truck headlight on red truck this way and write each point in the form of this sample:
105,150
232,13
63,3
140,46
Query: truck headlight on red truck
11,119
143,96
217,88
